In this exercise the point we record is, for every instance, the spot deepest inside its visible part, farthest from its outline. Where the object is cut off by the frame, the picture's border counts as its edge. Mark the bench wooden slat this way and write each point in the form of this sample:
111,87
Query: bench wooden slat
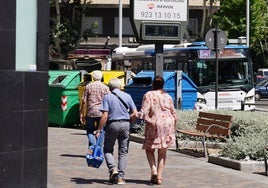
222,117
209,125
206,122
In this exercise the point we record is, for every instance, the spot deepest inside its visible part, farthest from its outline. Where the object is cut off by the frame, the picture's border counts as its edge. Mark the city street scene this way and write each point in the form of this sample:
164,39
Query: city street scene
207,65
134,93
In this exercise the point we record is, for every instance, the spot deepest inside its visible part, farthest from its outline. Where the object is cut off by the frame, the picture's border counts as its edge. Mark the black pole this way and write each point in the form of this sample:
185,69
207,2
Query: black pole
217,67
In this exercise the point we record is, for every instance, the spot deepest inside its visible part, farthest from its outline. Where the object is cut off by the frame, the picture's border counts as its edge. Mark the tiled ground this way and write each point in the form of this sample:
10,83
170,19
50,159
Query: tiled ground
67,167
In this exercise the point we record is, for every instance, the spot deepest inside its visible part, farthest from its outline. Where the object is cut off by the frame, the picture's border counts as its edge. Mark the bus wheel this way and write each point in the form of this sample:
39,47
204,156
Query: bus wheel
257,96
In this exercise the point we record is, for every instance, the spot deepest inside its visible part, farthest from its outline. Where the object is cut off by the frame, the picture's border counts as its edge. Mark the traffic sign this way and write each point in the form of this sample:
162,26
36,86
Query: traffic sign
216,39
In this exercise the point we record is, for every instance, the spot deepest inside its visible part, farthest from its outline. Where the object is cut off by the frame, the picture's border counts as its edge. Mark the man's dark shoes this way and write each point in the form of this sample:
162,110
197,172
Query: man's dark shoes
113,176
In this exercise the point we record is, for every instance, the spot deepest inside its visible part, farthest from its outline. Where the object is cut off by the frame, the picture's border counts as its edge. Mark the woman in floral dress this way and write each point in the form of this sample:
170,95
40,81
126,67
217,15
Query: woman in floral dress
160,116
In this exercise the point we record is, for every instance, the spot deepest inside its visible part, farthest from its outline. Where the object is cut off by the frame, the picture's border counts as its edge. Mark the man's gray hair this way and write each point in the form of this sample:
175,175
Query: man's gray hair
114,83
97,75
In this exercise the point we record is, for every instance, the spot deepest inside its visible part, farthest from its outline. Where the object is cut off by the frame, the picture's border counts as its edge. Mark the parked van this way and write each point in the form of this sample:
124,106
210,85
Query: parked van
262,74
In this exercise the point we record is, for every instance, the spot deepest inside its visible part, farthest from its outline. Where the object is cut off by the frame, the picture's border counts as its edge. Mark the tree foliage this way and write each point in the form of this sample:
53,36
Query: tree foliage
231,18
66,18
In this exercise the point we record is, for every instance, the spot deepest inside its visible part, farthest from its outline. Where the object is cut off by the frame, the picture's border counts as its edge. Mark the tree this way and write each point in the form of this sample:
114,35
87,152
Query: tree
55,31
66,23
259,30
203,19
232,19
207,16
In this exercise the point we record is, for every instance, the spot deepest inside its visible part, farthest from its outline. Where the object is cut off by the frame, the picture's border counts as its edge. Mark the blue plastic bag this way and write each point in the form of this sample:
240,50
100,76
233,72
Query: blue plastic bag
95,155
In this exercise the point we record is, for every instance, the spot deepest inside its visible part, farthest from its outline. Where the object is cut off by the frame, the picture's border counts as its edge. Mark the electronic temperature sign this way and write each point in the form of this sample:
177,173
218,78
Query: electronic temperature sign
159,21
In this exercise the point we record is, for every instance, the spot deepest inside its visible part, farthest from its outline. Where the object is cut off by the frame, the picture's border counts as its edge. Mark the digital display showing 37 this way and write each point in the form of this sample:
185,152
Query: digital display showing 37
158,31
162,30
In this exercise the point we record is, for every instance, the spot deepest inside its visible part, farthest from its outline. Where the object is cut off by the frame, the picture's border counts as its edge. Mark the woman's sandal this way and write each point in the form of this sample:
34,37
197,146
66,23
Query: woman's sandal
154,179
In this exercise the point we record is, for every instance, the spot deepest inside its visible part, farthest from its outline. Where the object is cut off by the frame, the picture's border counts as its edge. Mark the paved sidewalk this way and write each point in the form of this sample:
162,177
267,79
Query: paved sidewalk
67,167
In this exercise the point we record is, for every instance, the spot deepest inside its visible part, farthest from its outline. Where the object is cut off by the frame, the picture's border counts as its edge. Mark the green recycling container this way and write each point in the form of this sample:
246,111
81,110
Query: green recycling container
63,97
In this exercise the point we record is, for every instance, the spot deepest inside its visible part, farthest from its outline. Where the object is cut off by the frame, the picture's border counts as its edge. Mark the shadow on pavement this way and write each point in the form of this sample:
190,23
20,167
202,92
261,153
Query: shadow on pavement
105,182
71,155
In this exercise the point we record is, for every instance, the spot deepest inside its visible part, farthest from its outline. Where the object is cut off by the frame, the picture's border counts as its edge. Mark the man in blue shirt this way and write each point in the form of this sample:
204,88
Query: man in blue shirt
117,116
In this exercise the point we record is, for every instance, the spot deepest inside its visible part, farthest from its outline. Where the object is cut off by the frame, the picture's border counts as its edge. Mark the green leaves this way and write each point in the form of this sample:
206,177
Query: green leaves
231,18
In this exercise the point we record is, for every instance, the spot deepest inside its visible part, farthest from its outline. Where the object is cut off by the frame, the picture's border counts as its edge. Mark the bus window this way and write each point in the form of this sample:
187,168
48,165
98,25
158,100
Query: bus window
199,72
148,64
169,64
119,65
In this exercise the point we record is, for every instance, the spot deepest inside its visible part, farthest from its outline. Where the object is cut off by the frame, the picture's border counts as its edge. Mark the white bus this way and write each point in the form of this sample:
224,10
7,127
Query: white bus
235,75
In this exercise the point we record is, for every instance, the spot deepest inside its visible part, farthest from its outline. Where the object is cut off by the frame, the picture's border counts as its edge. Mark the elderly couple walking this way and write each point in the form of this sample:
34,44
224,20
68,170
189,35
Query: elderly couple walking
106,112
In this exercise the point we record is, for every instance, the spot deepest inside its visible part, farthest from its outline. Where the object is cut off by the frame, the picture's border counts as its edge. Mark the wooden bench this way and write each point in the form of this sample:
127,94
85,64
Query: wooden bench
209,125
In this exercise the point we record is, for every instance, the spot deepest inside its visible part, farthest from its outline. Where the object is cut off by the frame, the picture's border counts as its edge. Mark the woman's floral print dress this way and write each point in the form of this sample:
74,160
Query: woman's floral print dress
160,117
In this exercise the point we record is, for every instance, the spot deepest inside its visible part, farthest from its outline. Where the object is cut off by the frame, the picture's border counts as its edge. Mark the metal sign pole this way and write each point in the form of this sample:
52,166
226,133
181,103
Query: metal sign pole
217,67
159,59
120,23
216,40
248,17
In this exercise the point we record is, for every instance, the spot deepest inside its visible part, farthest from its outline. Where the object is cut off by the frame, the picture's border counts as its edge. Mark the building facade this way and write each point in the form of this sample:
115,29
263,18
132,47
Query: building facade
106,14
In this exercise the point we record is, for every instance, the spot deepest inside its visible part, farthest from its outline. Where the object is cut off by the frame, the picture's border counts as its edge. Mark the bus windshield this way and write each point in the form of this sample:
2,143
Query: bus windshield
234,69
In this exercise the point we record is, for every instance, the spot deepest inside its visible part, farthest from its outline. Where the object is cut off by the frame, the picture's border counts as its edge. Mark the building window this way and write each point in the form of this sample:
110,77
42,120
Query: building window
90,20
126,26
193,26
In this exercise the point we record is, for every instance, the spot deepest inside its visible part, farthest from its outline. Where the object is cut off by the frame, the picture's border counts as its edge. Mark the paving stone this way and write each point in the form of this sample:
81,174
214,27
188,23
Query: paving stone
67,167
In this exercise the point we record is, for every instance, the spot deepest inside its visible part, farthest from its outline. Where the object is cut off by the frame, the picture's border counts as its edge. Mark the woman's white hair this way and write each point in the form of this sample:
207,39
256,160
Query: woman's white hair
97,75
114,83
